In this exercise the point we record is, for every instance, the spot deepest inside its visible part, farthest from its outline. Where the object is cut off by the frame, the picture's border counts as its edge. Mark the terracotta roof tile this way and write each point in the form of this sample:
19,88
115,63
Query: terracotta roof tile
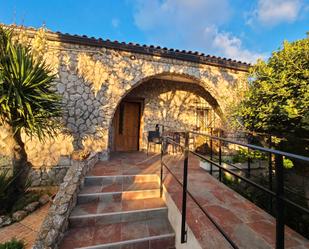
193,56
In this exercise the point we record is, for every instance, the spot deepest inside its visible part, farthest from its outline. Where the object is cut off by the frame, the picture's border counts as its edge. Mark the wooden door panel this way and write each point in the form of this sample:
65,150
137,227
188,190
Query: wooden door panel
126,127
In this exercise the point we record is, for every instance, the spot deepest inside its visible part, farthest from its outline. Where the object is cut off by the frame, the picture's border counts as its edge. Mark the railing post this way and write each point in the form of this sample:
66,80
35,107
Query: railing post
184,190
249,164
248,159
279,202
211,155
161,169
220,157
270,173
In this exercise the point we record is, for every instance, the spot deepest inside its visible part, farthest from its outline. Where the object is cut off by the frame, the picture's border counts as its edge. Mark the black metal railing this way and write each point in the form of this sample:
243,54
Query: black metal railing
277,195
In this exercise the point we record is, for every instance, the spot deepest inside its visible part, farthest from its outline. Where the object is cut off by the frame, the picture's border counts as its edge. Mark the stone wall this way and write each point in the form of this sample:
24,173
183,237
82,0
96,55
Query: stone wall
93,80
170,103
50,176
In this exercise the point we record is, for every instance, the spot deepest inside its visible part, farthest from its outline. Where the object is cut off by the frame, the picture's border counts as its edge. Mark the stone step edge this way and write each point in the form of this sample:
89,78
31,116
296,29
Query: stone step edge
137,183
117,192
85,216
110,176
124,242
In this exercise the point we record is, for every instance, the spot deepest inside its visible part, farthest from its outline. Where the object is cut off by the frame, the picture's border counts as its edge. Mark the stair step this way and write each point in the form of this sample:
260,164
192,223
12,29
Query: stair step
119,187
122,189
126,195
115,217
116,210
100,180
154,233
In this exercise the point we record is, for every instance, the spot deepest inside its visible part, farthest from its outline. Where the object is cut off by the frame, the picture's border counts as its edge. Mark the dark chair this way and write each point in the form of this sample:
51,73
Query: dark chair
176,139
153,137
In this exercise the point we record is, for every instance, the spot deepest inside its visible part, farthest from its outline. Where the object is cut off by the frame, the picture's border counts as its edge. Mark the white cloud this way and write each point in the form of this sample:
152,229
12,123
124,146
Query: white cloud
115,22
273,12
231,46
180,13
191,25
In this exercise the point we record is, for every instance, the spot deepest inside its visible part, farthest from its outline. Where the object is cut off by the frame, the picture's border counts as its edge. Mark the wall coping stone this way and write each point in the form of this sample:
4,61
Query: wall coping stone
177,54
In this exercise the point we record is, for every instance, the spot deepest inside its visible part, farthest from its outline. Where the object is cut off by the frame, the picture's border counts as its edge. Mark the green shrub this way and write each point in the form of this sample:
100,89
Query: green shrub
8,192
243,155
13,244
287,163
24,200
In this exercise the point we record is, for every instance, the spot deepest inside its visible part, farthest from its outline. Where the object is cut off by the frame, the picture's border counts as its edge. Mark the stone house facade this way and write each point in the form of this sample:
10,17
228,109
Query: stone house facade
113,90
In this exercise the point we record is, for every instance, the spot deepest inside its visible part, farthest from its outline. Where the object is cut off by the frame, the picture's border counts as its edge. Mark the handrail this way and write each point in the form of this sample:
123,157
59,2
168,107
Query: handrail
255,147
278,194
252,183
203,210
254,133
251,146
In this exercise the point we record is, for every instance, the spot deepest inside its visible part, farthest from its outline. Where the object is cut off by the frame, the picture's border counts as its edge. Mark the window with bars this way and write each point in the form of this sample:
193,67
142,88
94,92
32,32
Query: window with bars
202,118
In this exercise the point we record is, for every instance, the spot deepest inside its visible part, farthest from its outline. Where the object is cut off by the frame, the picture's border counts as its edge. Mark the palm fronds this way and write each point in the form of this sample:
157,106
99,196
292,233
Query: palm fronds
27,94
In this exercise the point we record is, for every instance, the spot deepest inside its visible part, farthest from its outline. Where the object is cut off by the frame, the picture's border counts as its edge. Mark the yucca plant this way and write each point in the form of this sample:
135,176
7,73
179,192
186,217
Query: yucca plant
28,99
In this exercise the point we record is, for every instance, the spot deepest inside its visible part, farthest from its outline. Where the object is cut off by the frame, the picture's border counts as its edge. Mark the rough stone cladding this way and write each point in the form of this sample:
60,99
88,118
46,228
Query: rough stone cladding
93,80
169,103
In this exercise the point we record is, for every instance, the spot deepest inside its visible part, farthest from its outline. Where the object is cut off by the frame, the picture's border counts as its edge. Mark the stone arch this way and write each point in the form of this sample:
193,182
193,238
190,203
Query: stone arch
206,90
185,84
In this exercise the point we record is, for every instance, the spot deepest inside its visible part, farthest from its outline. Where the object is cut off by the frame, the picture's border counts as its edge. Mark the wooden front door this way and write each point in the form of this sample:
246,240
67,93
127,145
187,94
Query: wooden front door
126,126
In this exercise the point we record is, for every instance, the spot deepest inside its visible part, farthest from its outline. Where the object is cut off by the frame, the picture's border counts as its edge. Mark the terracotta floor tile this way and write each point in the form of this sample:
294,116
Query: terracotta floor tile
140,186
128,205
266,229
91,189
78,237
134,230
163,243
112,187
136,245
154,203
82,222
109,206
107,234
158,226
86,208
243,236
222,215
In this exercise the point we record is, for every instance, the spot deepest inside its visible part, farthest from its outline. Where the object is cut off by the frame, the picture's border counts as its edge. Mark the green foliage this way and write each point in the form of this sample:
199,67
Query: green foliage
13,244
24,200
278,98
287,163
9,197
243,155
7,190
28,98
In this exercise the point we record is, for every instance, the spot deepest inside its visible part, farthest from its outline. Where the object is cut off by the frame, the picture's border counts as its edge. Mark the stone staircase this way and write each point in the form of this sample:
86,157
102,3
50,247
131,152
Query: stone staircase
119,212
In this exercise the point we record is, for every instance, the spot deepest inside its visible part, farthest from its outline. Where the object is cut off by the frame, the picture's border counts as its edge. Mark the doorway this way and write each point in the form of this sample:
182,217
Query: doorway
126,126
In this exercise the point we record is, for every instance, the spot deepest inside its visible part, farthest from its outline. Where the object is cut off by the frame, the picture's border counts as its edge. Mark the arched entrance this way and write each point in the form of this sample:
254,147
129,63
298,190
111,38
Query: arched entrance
175,101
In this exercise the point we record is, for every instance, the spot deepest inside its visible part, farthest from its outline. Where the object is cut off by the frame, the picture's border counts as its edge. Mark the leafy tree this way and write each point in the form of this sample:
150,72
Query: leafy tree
278,98
28,101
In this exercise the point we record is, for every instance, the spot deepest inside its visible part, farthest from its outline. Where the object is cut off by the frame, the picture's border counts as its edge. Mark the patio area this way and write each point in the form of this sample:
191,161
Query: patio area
245,224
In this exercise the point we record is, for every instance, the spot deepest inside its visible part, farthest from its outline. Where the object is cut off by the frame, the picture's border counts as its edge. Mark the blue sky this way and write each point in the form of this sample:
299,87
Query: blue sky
237,29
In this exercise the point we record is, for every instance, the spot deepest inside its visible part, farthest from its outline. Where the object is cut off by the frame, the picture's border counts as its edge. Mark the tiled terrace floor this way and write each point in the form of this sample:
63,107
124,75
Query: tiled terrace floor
26,229
246,224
